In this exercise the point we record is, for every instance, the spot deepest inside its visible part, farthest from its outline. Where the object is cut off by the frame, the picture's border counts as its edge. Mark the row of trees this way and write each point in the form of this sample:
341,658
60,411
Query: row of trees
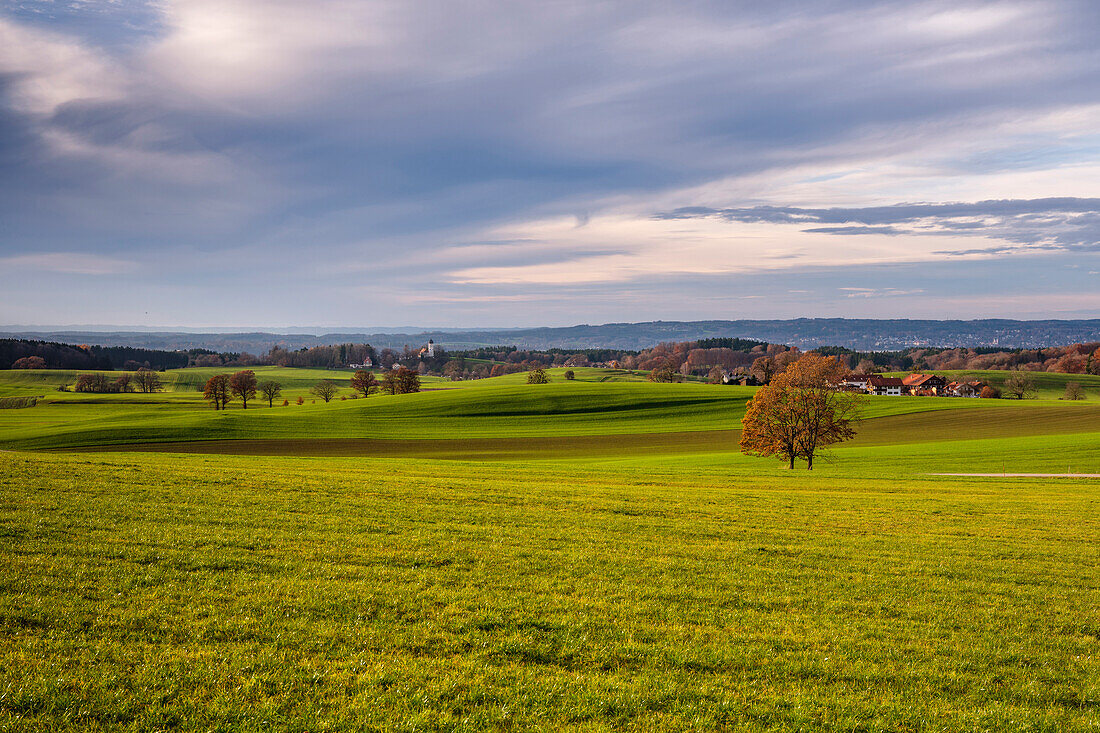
221,389
143,380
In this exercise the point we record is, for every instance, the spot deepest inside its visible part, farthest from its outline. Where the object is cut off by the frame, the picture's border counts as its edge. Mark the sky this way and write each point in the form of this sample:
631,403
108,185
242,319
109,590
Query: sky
360,163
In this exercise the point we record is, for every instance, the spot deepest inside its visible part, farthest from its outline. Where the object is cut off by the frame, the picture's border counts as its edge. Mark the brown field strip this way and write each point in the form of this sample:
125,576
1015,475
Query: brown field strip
922,427
454,449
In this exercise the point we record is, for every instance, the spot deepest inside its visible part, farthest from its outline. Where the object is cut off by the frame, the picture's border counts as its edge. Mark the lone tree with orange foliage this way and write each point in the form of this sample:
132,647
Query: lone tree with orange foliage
217,391
800,412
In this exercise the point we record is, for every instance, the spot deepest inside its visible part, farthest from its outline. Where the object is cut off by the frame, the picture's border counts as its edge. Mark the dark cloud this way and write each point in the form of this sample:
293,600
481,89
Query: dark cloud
1071,224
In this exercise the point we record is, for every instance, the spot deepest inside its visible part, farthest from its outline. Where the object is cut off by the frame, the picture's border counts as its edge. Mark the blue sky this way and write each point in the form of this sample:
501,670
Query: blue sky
362,164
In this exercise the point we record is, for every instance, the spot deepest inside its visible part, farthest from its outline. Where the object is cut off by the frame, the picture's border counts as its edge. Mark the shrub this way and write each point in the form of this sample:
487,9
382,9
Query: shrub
538,376
570,375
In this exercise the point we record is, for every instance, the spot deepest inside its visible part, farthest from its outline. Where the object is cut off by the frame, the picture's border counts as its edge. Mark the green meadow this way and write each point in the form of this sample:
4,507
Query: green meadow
586,555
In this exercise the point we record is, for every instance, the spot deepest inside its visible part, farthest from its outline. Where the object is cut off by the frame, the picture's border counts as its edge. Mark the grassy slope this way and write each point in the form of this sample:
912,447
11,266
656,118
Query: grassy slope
198,593
501,408
647,580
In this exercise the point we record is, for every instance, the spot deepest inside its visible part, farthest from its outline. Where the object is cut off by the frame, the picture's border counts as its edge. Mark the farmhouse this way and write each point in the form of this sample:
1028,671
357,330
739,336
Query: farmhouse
856,382
925,385
885,386
965,389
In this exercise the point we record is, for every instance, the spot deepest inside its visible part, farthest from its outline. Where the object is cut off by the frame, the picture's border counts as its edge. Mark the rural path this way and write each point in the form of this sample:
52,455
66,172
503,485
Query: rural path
1024,475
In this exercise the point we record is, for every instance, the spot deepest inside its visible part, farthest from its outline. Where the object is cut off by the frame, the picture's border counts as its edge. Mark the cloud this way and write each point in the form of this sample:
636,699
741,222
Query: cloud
878,293
384,145
69,263
1068,224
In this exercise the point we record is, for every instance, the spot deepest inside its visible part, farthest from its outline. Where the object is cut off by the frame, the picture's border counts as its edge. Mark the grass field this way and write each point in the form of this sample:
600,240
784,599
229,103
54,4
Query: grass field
585,556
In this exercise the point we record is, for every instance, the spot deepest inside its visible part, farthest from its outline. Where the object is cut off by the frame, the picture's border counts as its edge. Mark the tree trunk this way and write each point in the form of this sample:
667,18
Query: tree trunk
791,466
810,463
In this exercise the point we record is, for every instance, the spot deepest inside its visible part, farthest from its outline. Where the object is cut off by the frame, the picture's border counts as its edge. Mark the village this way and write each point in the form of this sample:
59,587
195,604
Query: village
916,385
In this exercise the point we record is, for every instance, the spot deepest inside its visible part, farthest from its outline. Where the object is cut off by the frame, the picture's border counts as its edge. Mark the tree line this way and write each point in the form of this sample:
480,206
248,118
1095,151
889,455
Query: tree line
702,358
221,389
143,380
29,354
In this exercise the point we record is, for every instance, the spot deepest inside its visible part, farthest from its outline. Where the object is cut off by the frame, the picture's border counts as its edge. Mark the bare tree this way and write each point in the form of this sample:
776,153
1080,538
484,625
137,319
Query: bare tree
865,366
270,390
1073,392
147,380
326,389
1021,385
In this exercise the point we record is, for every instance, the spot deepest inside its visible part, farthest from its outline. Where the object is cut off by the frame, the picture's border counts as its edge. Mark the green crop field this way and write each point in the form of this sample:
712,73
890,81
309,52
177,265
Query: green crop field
586,555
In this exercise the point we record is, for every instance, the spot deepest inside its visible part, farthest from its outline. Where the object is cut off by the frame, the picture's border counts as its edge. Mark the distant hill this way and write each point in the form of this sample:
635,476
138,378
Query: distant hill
860,334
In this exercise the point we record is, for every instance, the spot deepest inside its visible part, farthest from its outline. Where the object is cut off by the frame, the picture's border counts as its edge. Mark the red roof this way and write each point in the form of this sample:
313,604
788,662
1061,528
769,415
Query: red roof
885,382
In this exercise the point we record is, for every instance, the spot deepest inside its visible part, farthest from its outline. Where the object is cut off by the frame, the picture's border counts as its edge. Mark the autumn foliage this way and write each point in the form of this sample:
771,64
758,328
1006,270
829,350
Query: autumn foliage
243,386
401,381
217,391
800,412
364,382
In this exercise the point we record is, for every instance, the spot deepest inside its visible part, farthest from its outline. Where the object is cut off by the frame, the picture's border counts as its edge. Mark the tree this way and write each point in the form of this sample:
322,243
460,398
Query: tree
147,380
714,376
325,389
243,385
1073,392
989,392
364,382
663,374
763,369
29,362
569,375
453,369
538,376
497,370
92,383
217,391
408,381
122,384
865,366
799,412
1020,385
270,390
401,381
